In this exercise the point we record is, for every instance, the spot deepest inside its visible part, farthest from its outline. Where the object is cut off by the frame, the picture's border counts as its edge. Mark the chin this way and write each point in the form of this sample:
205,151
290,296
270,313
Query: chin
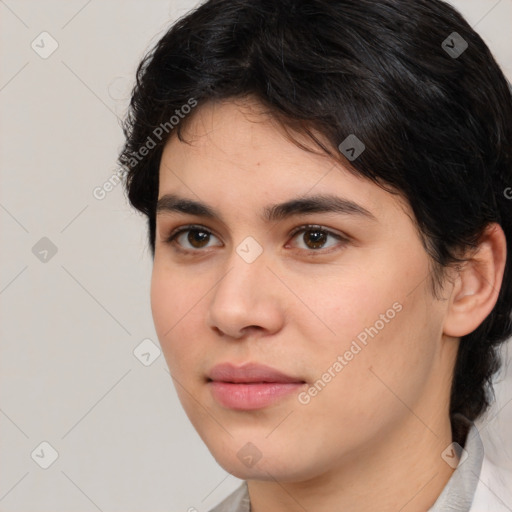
259,462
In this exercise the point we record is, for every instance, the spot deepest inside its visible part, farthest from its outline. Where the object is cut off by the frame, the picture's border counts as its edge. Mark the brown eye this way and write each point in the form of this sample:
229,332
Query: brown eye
197,238
314,238
192,238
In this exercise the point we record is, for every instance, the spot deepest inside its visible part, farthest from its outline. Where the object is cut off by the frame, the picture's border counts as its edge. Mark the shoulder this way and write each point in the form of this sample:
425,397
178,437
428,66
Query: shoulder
494,489
237,501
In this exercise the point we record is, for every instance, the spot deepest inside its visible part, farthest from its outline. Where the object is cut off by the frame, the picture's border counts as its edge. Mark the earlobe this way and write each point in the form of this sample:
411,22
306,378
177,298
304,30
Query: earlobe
477,284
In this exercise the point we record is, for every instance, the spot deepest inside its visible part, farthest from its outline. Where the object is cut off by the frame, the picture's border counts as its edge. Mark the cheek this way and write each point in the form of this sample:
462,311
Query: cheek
351,306
376,335
163,301
378,298
385,362
172,299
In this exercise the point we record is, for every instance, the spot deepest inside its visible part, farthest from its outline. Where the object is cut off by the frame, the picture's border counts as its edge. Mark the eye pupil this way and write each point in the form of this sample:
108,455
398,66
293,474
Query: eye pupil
197,237
316,238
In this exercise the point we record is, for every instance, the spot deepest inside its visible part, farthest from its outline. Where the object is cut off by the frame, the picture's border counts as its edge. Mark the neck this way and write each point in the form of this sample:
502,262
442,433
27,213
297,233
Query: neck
401,470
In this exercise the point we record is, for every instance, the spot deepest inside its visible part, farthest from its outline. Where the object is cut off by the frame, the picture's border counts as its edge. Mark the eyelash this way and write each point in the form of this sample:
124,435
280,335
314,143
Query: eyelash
171,239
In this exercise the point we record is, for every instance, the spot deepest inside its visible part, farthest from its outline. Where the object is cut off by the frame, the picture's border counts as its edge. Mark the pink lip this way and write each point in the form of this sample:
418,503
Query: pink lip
249,372
250,386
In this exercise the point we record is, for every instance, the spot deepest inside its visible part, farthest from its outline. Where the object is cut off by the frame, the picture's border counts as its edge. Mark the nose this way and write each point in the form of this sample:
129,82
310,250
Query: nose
246,300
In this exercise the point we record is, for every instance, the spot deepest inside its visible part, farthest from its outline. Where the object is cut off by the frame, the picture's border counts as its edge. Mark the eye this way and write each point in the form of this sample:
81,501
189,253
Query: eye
197,237
317,237
193,238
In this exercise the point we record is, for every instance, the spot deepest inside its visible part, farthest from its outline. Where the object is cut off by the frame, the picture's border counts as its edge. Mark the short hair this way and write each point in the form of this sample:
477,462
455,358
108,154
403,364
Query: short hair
411,80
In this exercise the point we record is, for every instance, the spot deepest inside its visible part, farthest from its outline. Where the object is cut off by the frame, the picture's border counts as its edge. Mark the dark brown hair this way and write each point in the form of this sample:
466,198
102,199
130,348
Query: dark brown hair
412,80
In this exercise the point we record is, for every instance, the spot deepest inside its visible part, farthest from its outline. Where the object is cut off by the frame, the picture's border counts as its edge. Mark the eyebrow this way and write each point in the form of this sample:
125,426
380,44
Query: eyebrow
299,206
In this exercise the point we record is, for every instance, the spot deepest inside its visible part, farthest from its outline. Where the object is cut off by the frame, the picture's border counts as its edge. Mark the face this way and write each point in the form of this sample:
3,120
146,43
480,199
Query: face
332,294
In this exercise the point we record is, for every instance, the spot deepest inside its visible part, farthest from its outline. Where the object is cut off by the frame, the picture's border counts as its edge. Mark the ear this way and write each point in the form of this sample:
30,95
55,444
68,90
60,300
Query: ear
477,284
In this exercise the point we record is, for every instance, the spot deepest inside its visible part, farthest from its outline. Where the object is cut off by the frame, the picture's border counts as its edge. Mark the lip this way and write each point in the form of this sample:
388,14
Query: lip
250,386
249,372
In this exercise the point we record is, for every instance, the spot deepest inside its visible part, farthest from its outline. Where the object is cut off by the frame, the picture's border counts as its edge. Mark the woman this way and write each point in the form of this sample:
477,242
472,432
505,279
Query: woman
325,186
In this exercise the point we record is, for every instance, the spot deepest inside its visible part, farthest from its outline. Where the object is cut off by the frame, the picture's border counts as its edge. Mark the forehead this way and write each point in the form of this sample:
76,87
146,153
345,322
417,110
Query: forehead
236,153
240,132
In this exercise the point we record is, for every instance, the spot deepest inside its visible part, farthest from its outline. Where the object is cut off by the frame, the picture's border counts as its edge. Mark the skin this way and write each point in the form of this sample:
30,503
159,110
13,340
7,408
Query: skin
372,438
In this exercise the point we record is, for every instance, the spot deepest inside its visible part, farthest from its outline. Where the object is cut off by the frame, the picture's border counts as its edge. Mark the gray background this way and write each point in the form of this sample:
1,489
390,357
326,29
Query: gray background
71,321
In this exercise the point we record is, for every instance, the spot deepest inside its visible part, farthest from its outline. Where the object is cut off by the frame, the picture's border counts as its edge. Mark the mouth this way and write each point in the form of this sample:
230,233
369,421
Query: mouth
250,386
250,373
